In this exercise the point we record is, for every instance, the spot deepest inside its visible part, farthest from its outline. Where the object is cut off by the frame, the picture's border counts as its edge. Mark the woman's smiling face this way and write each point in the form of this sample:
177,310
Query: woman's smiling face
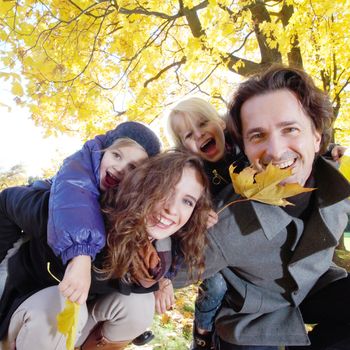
172,213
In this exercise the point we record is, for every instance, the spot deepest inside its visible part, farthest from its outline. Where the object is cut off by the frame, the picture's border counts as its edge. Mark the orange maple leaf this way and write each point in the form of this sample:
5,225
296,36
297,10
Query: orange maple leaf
264,186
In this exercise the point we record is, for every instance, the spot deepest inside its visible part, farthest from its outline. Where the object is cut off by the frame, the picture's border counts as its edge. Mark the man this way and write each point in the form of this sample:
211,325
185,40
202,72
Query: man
277,261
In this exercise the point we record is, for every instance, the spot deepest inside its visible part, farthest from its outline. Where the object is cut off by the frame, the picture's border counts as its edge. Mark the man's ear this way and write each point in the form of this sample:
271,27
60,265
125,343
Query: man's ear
317,140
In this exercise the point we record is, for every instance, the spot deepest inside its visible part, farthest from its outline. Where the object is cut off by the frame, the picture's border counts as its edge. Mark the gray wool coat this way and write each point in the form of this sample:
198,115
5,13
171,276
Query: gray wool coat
271,261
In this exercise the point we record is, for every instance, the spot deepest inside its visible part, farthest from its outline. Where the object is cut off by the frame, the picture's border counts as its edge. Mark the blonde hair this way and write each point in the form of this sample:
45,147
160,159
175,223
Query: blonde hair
190,108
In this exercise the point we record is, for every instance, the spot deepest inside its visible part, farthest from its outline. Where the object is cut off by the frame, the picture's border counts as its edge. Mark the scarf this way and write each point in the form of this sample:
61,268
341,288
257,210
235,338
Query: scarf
152,264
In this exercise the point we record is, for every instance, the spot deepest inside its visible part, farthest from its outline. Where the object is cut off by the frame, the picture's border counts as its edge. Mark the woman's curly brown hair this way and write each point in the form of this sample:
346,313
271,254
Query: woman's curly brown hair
126,212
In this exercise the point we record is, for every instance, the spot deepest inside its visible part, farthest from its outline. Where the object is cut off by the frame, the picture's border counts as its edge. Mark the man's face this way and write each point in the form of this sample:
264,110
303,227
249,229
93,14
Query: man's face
276,129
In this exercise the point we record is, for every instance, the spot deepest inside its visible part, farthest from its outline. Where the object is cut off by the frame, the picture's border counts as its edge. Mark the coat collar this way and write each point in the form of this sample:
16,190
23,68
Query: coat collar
332,187
271,218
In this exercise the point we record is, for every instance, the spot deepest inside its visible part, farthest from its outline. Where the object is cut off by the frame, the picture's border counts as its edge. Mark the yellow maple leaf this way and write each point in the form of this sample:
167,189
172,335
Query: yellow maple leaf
67,321
344,167
165,319
265,186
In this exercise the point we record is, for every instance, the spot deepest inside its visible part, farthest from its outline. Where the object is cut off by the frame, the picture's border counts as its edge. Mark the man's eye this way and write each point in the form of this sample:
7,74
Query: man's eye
290,130
256,137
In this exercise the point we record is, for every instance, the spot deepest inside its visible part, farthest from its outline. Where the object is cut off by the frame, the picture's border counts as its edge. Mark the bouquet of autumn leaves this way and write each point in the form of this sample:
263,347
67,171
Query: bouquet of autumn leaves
264,186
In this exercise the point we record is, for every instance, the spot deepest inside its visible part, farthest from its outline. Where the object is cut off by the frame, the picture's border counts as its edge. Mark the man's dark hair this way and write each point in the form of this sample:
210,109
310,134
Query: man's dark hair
315,102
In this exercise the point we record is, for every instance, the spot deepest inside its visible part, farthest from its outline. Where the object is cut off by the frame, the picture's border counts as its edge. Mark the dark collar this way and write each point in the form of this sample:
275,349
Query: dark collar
332,186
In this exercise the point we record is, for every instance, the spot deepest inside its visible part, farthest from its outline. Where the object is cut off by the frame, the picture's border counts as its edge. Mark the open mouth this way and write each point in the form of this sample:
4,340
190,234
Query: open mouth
209,146
111,180
162,222
284,164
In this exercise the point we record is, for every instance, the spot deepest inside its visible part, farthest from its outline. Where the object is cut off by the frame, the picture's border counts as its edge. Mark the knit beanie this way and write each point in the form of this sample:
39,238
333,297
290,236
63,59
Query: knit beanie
138,132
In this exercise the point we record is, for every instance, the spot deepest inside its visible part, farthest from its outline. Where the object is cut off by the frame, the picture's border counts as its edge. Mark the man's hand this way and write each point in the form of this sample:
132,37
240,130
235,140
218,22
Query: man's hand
77,279
337,152
212,219
164,296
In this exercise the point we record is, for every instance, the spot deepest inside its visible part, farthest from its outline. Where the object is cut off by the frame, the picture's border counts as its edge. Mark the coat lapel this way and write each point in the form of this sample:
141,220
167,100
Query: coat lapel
324,227
272,219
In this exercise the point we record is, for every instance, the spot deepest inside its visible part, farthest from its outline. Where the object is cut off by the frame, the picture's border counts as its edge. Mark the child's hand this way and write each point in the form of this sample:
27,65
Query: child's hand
164,296
77,279
212,219
337,152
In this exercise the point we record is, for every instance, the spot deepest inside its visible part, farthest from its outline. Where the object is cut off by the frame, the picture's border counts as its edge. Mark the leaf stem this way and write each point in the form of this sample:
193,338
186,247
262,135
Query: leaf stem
52,275
233,202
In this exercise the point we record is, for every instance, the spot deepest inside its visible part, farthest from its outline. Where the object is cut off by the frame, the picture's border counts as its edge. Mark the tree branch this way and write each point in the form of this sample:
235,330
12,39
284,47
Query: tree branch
175,64
260,15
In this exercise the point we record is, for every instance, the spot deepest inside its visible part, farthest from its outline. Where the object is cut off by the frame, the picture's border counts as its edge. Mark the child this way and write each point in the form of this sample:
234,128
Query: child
139,218
196,126
76,231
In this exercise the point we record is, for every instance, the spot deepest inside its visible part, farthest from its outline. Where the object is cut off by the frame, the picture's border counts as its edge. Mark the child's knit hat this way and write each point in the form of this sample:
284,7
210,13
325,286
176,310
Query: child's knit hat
138,132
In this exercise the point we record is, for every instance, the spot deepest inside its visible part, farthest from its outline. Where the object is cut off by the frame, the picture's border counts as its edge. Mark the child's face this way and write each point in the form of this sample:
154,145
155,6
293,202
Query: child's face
201,136
116,162
174,212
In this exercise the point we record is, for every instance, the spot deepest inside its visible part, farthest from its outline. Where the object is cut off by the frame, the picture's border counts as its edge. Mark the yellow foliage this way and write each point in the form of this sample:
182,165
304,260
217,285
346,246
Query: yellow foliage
265,186
88,63
67,321
165,318
344,167
17,89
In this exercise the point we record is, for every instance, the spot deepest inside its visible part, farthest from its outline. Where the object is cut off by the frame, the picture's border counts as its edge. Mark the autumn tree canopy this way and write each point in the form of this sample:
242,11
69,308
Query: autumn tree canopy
81,64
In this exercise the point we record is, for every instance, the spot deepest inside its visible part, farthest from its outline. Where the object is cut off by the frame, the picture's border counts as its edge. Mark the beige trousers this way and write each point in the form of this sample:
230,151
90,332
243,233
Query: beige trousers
34,325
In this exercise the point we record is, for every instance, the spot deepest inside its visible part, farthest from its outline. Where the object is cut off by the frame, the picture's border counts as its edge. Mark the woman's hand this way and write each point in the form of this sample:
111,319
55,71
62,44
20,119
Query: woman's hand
164,296
77,279
212,219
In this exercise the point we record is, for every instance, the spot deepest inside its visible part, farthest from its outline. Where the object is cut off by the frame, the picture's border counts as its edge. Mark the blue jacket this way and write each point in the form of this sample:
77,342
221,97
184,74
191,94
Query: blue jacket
75,225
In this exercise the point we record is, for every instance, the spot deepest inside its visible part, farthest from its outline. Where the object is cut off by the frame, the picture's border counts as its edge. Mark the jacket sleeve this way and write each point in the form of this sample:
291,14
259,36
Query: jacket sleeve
22,209
214,262
75,225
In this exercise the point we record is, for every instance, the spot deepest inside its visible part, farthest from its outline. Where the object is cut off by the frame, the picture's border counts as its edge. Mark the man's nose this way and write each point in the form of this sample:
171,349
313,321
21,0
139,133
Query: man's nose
274,147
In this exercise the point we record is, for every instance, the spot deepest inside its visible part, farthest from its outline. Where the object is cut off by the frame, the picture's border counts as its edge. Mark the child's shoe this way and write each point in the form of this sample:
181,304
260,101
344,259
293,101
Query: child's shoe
202,341
143,339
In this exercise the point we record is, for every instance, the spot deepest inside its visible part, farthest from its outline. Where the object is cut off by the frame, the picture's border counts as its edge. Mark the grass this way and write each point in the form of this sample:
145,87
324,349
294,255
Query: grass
347,240
173,330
